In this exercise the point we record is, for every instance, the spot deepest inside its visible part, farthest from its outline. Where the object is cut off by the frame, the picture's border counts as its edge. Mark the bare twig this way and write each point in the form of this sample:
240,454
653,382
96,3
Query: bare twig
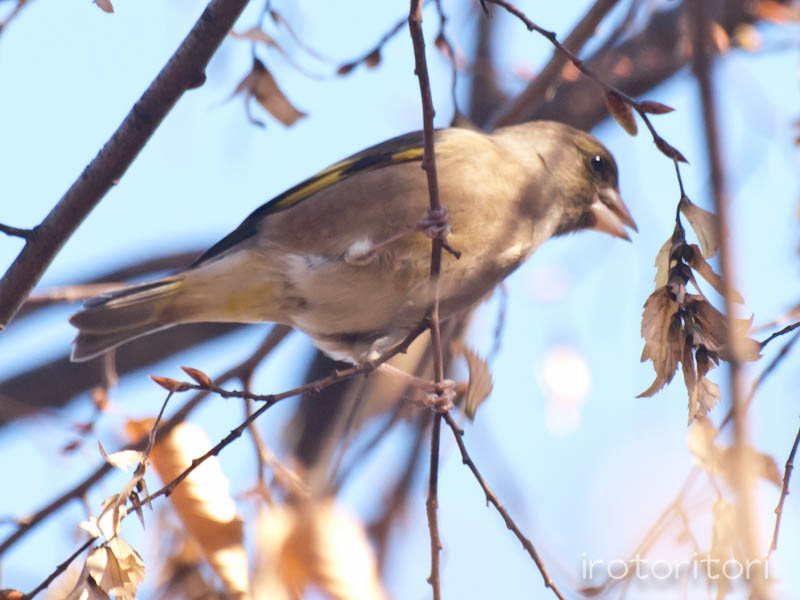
25,234
436,210
183,71
458,434
784,331
787,475
529,99
702,60
13,14
59,569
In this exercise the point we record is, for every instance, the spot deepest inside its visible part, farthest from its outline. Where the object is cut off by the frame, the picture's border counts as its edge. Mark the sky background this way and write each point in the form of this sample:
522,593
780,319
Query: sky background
582,464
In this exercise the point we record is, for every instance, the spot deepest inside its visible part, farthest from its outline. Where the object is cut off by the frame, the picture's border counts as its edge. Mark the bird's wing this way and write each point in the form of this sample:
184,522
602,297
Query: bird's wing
402,149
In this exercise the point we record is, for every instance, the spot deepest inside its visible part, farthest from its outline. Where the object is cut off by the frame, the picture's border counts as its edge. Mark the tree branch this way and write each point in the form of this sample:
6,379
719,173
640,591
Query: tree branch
183,71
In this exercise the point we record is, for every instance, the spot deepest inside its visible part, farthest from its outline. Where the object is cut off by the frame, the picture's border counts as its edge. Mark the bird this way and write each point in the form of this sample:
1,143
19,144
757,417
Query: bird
344,255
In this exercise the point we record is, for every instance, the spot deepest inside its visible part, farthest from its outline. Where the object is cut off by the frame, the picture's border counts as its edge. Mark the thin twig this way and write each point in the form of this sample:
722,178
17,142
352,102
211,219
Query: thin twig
59,569
702,62
184,71
436,210
529,99
787,475
458,434
276,335
25,234
783,331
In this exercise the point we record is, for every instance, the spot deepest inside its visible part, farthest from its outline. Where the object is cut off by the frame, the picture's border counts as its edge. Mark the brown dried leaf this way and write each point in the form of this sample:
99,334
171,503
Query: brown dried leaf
720,37
705,225
621,111
261,85
373,59
707,391
694,257
701,438
86,589
706,326
346,68
256,34
690,379
761,466
662,264
105,5
443,46
668,150
480,382
123,460
777,12
171,385
655,108
663,338
199,377
203,504
746,36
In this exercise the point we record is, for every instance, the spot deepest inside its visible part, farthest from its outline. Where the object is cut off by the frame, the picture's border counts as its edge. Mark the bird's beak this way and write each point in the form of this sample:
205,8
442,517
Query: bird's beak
611,214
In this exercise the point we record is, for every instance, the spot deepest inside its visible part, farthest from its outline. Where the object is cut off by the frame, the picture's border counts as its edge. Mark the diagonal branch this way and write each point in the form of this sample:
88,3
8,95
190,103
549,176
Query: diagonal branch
183,71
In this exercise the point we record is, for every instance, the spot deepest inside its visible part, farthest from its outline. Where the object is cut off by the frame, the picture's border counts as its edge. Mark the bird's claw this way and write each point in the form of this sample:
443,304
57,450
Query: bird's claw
442,396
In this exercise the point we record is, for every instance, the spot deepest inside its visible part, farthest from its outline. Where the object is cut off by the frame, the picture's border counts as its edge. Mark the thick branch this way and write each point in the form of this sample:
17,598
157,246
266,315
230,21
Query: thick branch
184,70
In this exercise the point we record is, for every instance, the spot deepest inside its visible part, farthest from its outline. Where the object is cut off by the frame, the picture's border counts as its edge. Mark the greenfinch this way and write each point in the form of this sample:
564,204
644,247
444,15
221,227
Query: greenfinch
343,256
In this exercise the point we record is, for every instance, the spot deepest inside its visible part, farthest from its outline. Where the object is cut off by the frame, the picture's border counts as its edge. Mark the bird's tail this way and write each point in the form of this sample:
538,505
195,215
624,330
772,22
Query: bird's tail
117,317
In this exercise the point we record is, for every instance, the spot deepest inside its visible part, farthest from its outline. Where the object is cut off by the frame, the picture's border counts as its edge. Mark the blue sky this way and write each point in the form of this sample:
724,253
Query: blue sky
584,477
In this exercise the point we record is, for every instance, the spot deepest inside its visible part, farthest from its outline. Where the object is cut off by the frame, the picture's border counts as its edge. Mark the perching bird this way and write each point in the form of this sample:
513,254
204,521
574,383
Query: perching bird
341,256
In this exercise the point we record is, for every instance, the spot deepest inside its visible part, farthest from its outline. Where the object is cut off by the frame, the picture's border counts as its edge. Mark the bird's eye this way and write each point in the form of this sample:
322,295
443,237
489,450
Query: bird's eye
599,164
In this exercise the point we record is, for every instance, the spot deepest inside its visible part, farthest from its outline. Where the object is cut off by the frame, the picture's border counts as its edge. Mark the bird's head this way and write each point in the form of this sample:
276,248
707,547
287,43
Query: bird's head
589,181
574,178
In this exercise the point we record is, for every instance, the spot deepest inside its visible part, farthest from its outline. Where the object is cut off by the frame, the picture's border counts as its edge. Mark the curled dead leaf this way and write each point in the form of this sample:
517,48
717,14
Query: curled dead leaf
668,150
655,108
480,382
203,503
105,5
622,112
261,85
705,225
663,338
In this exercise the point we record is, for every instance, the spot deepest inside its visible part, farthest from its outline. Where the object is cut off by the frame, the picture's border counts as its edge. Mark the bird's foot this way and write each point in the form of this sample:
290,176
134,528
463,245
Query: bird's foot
436,225
442,398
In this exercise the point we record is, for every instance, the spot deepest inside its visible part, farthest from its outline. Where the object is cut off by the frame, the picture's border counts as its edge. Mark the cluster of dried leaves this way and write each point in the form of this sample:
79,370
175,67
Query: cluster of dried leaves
682,327
299,543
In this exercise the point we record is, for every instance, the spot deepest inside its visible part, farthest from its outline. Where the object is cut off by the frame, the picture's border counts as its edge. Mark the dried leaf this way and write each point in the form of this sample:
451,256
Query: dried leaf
443,46
707,391
694,257
663,339
701,438
171,385
655,108
256,34
746,36
346,68
124,459
203,504
777,12
705,225
662,264
668,150
720,37
706,326
199,377
480,382
690,379
621,111
760,465
261,85
86,589
117,568
373,59
105,5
